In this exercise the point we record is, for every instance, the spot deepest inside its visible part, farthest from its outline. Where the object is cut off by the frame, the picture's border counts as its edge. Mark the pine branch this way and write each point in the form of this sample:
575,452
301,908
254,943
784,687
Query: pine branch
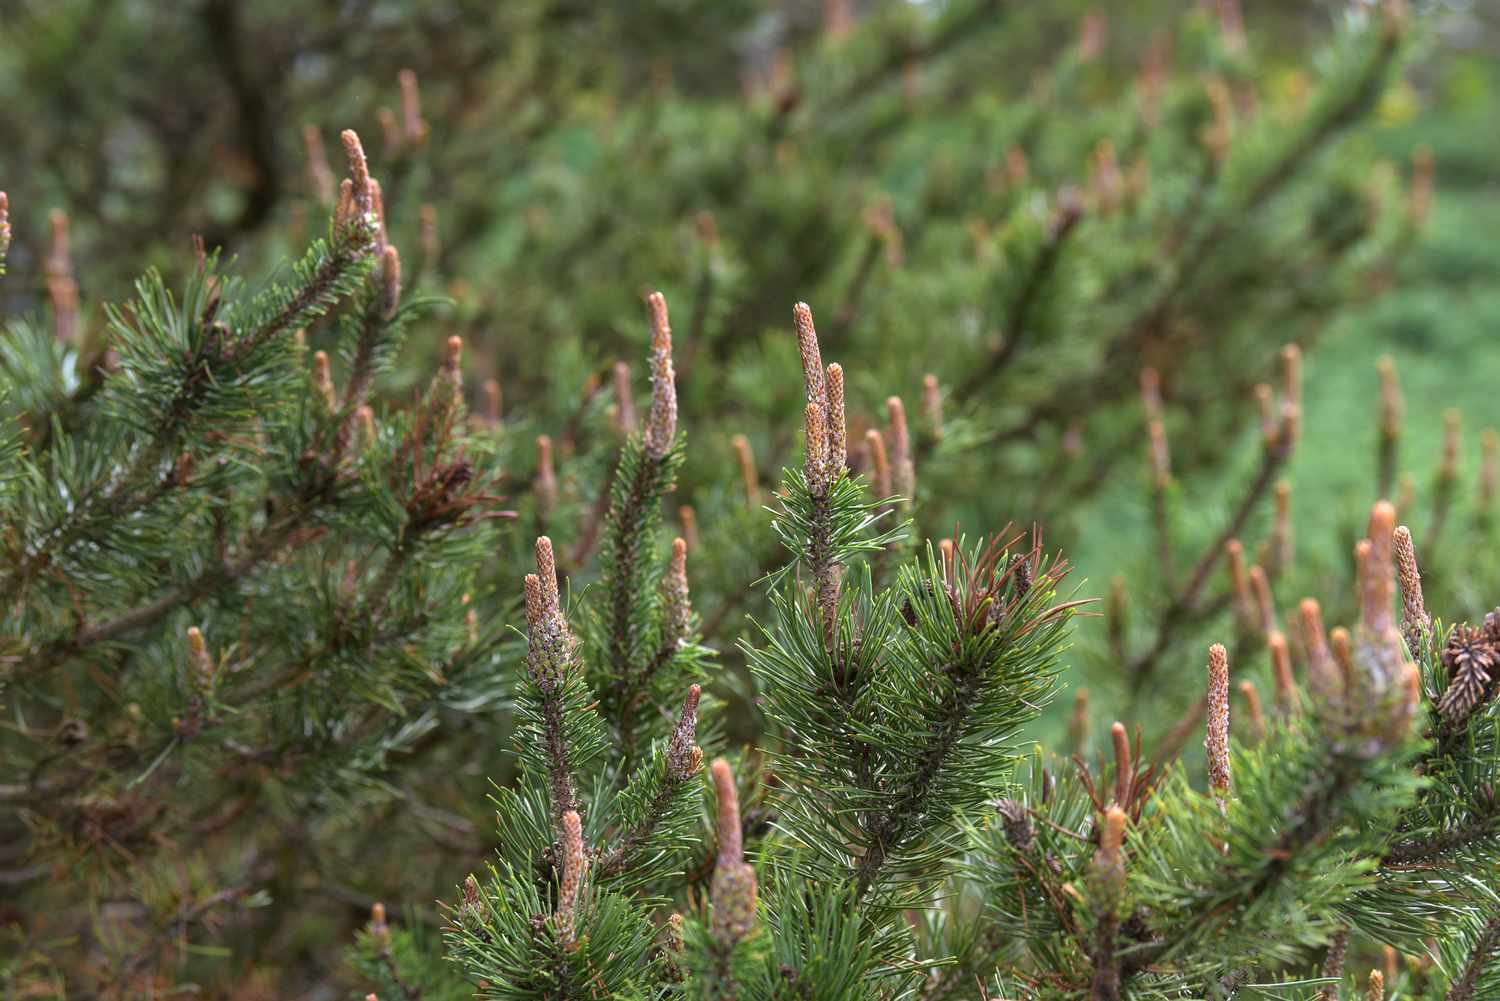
1200,248
956,28
1017,319
1431,851
1486,950
551,662
894,825
265,545
1108,883
375,319
1185,603
660,791
646,472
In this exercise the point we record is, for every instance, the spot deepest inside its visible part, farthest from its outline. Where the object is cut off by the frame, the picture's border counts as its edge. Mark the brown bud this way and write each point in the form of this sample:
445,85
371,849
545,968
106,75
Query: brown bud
493,402
377,210
816,459
546,568
880,468
4,224
661,424
202,662
946,558
390,281
1452,425
1379,699
1253,711
1281,668
1291,425
1270,427
677,608
453,354
1241,601
1161,458
536,603
345,211
1324,677
748,475
1124,772
1078,723
359,171
625,417
733,888
322,381
427,235
1217,740
1109,863
838,19
317,165
932,404
182,470
730,845
683,755
689,519
545,484
445,393
1265,607
62,289
1415,622
1377,569
574,865
364,427
812,358
413,126
380,931
1277,555
1291,374
1375,989
903,472
1112,837
838,447
1392,406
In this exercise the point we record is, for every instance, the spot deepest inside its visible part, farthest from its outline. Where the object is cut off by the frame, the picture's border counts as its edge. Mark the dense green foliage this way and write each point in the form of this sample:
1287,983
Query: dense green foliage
333,588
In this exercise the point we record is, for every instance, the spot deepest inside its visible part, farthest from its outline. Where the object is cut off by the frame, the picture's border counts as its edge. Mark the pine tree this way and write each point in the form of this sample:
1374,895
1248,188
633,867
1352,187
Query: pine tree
265,572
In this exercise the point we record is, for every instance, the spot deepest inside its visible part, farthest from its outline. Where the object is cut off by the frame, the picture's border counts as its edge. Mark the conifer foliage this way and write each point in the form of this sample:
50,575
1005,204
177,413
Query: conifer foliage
231,591
274,608
901,853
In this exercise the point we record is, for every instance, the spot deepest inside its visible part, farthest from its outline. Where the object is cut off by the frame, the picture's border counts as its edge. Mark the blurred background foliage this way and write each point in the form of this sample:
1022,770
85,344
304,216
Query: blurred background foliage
910,170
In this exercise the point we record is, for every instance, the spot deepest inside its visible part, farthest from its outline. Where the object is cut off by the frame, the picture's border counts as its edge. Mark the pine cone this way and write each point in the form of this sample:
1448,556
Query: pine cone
1472,659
